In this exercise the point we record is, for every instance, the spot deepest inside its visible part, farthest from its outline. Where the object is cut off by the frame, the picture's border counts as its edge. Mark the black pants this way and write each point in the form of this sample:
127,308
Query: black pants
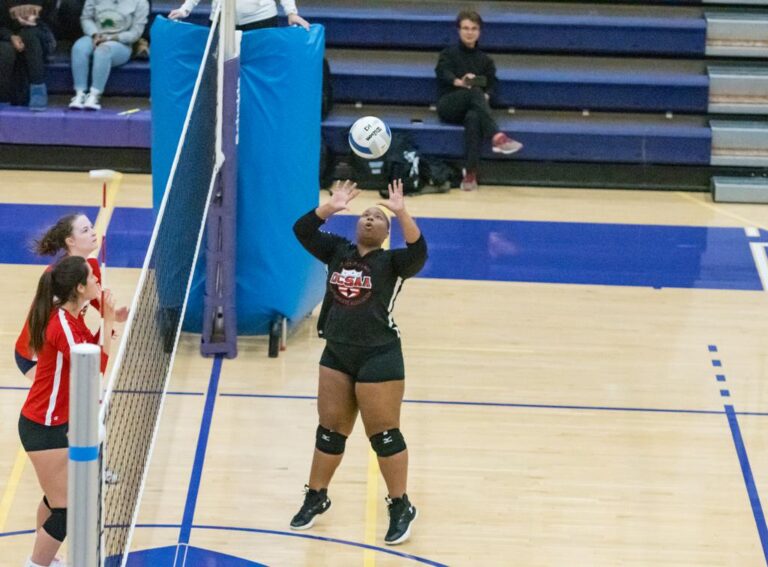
18,68
470,108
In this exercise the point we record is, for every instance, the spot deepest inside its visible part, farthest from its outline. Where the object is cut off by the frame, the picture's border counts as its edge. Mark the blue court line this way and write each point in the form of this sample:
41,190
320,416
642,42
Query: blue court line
387,550
327,539
717,363
749,479
197,468
477,404
508,405
720,377
725,393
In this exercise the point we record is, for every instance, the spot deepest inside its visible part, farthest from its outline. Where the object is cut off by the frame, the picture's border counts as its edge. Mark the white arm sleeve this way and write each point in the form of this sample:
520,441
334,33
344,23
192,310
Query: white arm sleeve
289,7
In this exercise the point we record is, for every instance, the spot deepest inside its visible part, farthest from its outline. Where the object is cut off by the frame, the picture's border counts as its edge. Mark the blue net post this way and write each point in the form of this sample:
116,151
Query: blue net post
219,333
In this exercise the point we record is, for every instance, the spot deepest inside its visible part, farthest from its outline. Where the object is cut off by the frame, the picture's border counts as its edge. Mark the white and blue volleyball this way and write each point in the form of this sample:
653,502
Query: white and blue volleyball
369,137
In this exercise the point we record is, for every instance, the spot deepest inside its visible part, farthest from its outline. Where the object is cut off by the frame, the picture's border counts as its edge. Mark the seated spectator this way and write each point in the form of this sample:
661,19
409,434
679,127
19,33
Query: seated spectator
466,81
111,28
26,40
251,14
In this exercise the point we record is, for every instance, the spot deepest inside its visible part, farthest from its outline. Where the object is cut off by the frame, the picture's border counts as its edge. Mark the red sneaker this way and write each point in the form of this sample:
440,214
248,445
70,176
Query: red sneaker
469,183
503,144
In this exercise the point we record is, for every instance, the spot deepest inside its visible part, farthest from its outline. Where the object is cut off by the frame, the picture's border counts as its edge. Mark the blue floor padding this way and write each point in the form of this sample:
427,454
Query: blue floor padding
515,251
583,253
127,239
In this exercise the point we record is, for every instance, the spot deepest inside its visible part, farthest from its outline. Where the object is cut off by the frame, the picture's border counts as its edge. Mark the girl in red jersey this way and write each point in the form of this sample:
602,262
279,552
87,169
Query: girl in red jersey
55,325
74,235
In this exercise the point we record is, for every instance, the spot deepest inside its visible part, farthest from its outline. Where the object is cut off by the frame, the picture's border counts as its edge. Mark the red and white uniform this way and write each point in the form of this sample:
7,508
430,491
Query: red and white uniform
22,343
48,400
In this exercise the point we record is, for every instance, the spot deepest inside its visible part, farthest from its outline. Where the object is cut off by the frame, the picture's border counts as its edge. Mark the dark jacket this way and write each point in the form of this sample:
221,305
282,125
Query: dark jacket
458,60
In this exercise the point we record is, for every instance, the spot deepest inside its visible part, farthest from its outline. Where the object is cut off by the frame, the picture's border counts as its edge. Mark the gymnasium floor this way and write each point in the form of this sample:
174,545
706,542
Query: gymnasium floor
587,385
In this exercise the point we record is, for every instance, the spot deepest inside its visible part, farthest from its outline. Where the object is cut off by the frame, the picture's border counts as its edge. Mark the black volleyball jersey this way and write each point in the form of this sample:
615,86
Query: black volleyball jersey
360,292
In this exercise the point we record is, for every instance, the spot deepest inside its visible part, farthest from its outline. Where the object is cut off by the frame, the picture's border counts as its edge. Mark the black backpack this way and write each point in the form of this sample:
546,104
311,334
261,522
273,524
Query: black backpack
438,173
400,162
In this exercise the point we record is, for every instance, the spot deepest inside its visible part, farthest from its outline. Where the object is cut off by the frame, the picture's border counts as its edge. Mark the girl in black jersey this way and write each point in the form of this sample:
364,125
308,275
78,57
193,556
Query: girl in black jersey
361,368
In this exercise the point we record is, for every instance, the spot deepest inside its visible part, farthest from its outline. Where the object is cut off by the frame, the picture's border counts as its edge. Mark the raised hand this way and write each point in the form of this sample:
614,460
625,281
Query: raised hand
342,194
396,201
108,306
121,314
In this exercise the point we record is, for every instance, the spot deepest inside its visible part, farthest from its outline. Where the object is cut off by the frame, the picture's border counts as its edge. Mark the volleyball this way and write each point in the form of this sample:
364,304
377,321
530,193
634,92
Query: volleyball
369,137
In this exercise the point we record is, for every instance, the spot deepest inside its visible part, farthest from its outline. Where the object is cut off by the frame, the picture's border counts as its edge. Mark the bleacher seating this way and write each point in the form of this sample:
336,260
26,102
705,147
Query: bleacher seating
600,82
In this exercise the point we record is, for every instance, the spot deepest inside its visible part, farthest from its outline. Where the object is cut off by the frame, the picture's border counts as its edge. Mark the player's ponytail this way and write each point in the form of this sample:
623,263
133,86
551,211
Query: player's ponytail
54,240
55,287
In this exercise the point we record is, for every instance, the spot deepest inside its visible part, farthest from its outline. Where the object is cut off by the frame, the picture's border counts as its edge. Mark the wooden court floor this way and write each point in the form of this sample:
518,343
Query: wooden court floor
548,424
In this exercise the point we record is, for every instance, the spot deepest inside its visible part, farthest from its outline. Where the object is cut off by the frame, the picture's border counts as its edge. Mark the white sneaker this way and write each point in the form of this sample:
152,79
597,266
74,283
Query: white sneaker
77,101
92,101
58,563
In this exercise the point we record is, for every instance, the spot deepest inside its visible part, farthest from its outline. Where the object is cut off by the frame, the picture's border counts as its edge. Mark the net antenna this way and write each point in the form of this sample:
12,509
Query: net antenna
219,310
109,189
204,167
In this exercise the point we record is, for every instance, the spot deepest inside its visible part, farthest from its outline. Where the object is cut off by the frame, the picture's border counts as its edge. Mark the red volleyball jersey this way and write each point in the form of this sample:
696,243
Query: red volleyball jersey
22,343
48,400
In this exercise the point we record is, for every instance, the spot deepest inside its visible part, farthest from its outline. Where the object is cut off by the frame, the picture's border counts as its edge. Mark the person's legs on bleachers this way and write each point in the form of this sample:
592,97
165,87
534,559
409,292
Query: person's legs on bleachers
81,56
473,138
34,60
106,55
7,61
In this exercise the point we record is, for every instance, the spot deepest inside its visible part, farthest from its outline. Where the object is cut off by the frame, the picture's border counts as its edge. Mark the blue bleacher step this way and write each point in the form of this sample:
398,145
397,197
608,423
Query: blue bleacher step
529,81
546,27
740,190
525,81
735,34
738,90
740,143
548,136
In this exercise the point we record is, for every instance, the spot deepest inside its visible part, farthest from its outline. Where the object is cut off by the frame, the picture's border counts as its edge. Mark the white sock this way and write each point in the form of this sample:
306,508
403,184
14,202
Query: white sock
31,563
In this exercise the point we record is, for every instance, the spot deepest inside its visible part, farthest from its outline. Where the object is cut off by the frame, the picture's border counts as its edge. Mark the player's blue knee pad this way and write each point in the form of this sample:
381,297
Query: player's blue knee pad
330,442
388,443
56,524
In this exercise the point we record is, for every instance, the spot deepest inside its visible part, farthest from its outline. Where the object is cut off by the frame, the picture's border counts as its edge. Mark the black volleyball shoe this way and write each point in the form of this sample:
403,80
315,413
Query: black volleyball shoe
316,502
401,515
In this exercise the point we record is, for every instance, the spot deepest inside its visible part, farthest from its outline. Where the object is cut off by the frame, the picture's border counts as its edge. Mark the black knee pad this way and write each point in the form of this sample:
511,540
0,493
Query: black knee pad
331,442
388,443
56,525
46,503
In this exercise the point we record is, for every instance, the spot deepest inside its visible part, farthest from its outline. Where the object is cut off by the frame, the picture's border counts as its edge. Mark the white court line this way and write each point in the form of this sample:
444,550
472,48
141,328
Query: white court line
752,231
761,261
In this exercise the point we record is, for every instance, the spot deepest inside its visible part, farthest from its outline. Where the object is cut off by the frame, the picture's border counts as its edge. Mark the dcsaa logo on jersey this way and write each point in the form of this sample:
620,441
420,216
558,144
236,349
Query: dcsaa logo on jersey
350,283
